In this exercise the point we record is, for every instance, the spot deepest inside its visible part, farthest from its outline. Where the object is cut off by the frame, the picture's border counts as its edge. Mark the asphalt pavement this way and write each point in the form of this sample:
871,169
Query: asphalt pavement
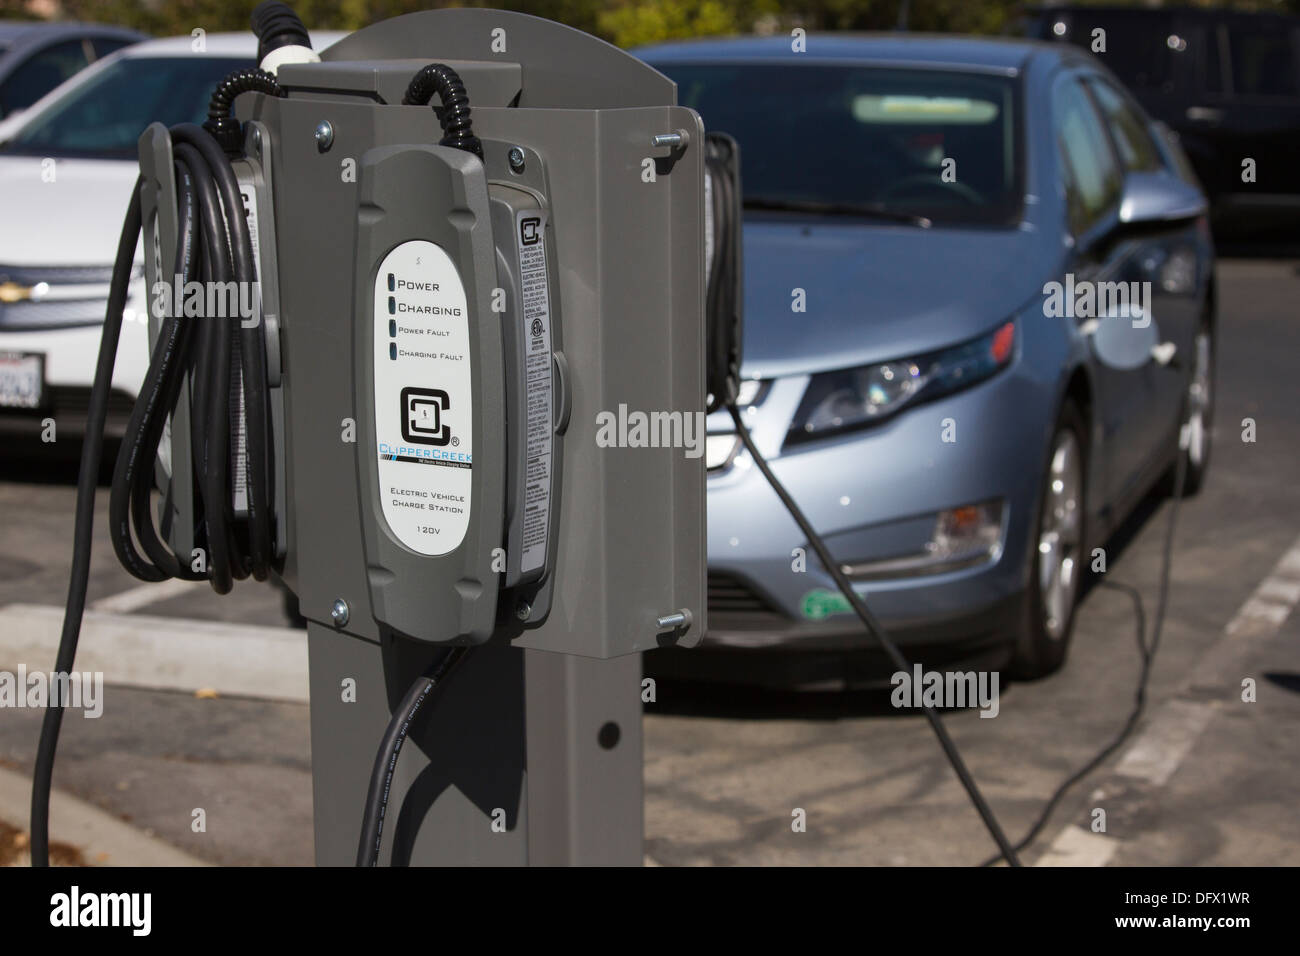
1207,778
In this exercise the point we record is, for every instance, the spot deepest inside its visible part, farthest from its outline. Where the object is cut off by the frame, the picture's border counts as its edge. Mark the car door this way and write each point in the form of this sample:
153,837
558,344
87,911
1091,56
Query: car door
1093,183
1167,263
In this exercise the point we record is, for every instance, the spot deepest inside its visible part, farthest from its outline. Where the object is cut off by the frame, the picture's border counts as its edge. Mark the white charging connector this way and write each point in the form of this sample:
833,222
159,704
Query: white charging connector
288,54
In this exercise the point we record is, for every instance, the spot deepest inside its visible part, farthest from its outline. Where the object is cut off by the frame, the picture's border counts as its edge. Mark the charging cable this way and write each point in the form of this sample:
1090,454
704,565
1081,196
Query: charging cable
381,775
225,364
1008,852
1146,652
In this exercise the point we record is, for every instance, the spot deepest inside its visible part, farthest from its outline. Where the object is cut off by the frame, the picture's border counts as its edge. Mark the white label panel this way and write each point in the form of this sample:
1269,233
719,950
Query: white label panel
535,332
239,439
422,399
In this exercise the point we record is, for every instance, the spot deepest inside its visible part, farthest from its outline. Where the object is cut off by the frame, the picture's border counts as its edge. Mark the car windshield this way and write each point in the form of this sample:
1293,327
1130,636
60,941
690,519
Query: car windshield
105,116
937,144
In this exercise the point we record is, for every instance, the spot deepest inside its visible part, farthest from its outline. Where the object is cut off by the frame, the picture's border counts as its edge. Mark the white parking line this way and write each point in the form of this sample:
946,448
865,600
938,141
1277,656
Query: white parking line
133,599
1169,736
1158,751
1075,846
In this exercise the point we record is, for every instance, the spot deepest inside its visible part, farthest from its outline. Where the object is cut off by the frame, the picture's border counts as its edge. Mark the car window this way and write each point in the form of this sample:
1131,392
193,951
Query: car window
943,144
1263,62
106,45
41,73
1128,129
1091,174
105,117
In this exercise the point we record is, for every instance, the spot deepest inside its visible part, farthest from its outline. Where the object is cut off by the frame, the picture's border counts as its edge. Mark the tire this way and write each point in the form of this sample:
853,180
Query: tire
1198,414
1059,551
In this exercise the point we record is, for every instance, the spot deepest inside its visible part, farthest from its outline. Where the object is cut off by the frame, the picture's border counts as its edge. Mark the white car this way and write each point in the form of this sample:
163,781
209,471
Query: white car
67,166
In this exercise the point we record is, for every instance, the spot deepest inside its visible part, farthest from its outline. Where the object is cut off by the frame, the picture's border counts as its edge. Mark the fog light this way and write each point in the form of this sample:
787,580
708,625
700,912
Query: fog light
718,450
967,532
964,537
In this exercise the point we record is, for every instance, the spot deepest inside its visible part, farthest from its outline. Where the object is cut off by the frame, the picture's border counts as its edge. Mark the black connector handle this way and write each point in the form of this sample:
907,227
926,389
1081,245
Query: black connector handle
276,25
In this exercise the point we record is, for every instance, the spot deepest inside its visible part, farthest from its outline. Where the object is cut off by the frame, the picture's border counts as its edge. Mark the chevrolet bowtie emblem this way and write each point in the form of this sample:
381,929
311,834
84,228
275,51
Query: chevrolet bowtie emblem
13,292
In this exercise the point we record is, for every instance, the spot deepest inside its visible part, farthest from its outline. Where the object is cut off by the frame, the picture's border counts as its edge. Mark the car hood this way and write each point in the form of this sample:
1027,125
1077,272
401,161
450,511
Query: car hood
875,292
75,219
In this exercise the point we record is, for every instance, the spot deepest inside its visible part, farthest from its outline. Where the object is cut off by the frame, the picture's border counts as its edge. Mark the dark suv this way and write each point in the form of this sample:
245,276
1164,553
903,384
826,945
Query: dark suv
1227,83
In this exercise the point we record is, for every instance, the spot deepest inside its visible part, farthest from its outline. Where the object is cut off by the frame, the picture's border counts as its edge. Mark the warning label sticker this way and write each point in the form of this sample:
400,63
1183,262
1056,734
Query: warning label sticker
239,436
535,319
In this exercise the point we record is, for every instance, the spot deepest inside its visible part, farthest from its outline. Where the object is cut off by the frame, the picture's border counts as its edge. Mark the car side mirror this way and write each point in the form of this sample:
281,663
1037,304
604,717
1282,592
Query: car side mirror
1150,199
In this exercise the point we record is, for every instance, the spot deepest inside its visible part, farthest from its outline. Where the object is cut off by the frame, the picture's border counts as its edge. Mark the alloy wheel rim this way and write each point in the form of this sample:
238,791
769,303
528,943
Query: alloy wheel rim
1060,534
1198,402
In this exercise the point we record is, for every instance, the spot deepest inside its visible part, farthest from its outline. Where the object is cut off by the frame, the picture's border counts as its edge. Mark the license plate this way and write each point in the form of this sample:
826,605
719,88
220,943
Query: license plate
22,380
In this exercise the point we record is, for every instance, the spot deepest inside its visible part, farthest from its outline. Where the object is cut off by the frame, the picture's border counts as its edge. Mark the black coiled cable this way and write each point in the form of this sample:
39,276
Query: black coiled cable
220,122
457,128
225,358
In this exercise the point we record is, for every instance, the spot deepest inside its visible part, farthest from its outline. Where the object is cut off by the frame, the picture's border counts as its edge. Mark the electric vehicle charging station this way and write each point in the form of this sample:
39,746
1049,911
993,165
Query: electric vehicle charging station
442,328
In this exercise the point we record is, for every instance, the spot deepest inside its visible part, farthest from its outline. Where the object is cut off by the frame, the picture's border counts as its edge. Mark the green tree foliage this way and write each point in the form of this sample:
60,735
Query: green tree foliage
624,22
651,21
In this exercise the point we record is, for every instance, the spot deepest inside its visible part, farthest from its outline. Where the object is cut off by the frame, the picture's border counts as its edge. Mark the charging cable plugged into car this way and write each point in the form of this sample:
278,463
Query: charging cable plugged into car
445,527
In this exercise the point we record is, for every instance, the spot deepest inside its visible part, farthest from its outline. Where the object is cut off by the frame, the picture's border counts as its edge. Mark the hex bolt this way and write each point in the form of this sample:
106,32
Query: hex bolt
671,622
523,610
340,612
516,158
674,139
324,136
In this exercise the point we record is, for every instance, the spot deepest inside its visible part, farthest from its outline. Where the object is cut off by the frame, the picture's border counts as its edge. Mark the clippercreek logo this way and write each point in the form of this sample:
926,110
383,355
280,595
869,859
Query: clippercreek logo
423,416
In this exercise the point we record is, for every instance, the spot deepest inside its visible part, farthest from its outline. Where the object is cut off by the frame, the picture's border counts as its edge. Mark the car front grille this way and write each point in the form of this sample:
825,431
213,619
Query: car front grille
735,606
68,405
35,298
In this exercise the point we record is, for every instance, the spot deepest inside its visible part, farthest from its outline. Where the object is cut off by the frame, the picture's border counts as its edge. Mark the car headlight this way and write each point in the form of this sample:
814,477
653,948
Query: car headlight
855,397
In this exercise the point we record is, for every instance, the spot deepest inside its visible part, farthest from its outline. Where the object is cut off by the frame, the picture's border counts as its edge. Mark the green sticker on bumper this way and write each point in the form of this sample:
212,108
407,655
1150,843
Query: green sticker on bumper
822,603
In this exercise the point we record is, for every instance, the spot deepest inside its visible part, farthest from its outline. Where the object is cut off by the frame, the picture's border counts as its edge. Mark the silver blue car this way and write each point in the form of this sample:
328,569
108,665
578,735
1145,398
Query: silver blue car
935,229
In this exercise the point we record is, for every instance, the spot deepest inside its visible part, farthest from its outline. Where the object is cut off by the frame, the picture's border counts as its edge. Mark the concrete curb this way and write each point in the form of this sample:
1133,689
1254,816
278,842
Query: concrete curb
102,839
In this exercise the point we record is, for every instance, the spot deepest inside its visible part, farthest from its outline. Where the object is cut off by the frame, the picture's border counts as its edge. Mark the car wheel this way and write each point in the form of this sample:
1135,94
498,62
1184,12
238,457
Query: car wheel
1198,412
1059,555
